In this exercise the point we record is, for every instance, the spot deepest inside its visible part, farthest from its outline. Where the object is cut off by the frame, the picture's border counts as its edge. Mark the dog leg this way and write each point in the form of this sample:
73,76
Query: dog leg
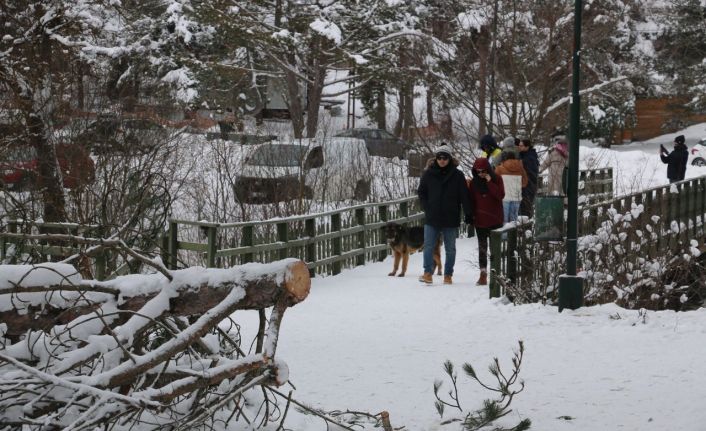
405,259
398,255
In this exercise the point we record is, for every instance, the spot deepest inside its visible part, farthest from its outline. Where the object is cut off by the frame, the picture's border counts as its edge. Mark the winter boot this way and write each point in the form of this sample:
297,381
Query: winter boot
426,278
447,279
483,279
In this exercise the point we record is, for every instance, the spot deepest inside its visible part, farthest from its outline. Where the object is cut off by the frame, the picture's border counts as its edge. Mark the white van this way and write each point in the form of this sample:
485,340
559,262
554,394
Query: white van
329,170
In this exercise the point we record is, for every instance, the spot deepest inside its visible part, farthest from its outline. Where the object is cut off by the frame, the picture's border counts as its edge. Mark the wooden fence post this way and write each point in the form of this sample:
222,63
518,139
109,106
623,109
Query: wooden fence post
495,263
283,236
310,231
212,246
383,212
512,255
248,240
360,221
336,241
173,245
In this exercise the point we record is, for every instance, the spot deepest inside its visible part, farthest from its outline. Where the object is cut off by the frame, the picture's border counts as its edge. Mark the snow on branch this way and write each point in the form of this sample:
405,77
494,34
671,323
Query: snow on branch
76,353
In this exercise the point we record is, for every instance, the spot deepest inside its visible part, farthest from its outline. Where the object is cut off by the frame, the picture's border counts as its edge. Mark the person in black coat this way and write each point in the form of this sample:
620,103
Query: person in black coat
676,160
530,162
442,193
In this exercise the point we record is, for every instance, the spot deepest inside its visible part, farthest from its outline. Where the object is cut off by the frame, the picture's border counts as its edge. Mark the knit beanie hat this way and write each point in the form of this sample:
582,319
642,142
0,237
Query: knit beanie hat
488,142
509,145
680,139
443,149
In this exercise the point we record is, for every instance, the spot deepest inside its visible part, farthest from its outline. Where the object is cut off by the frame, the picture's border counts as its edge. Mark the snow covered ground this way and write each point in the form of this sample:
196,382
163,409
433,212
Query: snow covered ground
366,341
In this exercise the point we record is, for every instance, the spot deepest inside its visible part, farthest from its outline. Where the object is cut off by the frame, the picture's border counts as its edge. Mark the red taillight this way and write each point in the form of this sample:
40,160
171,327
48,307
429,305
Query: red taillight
694,151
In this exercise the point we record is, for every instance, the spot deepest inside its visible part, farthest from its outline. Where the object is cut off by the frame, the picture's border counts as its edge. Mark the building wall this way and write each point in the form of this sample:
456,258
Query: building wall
657,116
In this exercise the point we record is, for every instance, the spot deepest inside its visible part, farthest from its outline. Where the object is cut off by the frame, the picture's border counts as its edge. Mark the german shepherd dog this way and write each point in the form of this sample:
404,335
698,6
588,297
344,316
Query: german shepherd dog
406,240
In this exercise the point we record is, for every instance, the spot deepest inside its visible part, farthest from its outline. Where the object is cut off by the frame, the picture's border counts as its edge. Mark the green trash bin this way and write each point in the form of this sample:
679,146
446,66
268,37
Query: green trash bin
549,218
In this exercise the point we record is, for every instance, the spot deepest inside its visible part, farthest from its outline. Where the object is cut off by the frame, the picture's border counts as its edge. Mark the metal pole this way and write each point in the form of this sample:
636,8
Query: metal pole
571,286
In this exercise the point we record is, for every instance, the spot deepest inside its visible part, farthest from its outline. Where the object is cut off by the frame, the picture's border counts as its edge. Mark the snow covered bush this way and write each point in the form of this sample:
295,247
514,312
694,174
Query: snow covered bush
633,258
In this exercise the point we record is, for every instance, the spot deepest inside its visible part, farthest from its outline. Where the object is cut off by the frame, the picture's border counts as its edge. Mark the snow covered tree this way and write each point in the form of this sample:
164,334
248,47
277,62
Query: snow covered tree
681,49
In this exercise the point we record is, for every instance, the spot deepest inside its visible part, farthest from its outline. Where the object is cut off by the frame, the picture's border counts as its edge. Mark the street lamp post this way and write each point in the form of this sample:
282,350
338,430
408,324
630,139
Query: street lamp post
571,285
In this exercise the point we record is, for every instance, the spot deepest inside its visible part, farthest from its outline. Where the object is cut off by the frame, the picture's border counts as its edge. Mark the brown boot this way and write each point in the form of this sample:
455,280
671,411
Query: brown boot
426,278
447,279
483,279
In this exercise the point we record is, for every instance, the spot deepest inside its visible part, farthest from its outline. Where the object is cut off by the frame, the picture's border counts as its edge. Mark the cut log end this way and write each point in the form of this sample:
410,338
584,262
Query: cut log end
298,282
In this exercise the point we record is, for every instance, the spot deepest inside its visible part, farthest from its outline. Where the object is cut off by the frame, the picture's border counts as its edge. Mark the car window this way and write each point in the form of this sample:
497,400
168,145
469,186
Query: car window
703,142
345,133
386,135
278,155
373,134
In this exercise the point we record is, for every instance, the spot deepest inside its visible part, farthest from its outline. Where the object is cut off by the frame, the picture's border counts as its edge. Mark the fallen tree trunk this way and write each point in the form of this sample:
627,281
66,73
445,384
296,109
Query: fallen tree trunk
261,290
105,350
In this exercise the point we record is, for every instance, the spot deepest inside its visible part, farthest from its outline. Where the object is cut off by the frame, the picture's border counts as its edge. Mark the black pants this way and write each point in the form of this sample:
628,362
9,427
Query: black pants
483,234
527,206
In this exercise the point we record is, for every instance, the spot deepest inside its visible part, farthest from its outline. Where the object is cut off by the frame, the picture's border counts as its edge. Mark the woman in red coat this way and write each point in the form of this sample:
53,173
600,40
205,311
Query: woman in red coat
487,192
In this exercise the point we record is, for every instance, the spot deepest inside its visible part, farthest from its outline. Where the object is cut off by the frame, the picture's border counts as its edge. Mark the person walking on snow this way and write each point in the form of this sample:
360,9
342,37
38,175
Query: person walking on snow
514,180
530,162
442,193
554,163
486,192
676,160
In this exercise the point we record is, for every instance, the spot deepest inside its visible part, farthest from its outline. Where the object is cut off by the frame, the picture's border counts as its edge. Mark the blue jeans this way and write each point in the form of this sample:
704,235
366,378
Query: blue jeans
431,234
510,210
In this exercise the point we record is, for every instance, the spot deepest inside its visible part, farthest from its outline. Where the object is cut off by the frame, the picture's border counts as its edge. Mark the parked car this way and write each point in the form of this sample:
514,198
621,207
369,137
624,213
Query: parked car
111,134
336,169
698,153
19,167
379,142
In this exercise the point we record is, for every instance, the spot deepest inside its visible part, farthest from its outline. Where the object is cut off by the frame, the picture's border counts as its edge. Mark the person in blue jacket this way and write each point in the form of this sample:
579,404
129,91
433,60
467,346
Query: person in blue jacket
676,160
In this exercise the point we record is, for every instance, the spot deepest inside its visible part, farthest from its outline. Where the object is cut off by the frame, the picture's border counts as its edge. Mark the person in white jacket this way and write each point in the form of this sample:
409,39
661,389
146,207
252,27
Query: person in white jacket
514,178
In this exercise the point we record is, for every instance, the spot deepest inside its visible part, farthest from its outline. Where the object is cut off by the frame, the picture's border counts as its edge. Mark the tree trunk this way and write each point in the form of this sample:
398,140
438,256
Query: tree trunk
430,105
381,111
317,75
262,290
483,56
294,102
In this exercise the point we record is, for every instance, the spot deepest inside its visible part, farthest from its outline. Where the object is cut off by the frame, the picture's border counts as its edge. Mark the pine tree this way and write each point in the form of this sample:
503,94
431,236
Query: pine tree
681,49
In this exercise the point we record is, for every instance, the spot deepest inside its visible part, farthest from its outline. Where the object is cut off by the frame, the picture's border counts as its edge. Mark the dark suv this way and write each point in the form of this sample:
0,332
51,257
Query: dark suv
379,142
110,134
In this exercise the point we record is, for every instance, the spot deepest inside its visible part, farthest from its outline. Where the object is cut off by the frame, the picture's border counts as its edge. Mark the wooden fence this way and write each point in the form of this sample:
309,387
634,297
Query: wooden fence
664,218
595,185
328,242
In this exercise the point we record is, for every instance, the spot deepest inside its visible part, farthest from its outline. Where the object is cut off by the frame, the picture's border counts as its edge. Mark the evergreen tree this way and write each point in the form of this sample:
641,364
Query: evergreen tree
681,50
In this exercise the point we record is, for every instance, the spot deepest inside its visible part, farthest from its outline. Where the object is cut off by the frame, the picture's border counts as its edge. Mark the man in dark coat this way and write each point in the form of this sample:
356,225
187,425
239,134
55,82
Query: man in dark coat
676,160
530,162
442,193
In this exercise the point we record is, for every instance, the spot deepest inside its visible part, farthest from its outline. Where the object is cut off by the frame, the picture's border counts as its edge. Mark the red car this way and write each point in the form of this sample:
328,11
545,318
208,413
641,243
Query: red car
19,167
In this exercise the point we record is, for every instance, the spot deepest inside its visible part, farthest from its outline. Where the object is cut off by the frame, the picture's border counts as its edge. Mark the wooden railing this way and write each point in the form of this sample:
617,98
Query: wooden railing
676,210
595,185
328,242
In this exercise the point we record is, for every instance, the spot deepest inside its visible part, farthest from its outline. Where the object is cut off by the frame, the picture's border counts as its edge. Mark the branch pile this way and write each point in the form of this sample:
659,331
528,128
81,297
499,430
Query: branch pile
138,350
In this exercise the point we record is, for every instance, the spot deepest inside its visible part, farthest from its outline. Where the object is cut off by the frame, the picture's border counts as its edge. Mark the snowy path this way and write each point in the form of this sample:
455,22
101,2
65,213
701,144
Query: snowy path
366,341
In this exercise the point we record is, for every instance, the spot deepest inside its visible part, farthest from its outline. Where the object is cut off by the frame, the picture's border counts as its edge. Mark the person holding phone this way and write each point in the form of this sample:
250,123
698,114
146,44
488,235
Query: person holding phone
486,192
676,160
